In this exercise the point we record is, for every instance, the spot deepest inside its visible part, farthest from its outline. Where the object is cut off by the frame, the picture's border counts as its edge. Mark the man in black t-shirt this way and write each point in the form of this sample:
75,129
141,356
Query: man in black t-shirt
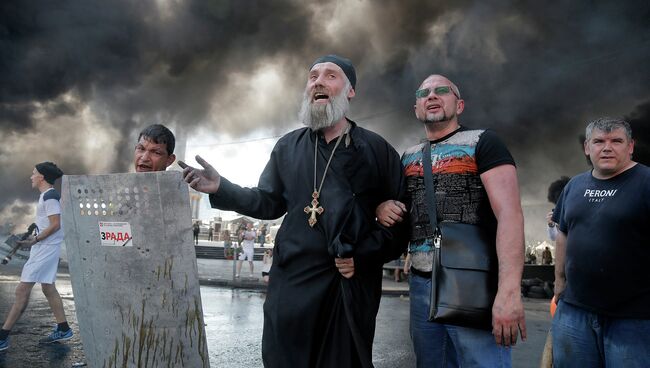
602,255
475,183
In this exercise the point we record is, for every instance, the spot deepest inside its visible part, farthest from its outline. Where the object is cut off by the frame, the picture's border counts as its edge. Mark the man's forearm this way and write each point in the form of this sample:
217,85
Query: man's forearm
552,232
47,232
55,225
560,256
503,191
254,202
510,251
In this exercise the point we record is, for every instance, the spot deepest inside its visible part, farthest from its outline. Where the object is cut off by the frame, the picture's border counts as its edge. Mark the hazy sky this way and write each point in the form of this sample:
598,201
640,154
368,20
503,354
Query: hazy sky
79,79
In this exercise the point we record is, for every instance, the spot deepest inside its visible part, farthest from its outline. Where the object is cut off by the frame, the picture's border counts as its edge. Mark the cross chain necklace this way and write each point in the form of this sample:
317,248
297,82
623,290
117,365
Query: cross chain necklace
315,207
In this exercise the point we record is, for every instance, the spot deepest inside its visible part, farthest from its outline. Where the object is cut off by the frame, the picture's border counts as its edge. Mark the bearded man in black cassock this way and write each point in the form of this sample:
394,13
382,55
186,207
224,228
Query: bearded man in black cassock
325,282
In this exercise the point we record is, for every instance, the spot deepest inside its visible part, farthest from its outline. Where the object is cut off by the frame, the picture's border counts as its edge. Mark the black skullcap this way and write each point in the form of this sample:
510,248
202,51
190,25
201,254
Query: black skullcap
343,63
49,171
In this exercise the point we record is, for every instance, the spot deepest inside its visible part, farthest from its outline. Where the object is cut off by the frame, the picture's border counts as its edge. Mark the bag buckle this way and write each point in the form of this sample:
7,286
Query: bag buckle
436,241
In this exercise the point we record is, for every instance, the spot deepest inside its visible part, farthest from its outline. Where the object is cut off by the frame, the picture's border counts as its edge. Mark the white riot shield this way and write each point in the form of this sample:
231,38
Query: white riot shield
133,270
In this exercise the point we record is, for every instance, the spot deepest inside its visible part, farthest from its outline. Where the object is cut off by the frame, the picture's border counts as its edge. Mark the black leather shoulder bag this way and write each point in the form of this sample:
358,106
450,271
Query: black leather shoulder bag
464,276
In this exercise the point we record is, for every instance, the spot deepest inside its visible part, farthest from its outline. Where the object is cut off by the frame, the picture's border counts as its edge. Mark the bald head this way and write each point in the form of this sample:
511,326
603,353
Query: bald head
443,80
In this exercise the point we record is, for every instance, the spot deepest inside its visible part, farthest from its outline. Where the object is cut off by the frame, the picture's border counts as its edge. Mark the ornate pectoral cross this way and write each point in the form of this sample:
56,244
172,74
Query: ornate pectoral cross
314,209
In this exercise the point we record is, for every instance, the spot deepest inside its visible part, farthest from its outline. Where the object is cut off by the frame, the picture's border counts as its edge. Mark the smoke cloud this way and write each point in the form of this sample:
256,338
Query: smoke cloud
79,79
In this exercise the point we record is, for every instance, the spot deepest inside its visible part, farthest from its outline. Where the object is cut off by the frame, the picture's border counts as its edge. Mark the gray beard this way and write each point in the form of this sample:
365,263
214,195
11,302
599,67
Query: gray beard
317,117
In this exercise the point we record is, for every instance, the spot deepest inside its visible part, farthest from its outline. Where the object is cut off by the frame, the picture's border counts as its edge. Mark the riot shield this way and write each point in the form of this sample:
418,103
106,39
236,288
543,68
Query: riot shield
133,270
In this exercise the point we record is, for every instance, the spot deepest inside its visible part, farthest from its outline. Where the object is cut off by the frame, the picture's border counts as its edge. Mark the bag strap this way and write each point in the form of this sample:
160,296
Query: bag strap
430,194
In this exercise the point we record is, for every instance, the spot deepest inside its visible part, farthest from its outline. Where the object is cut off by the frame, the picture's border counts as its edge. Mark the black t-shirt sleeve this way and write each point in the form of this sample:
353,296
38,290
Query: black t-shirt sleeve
558,211
646,194
491,152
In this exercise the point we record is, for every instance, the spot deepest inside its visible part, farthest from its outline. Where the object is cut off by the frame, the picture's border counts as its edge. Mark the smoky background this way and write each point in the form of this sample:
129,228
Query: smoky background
79,79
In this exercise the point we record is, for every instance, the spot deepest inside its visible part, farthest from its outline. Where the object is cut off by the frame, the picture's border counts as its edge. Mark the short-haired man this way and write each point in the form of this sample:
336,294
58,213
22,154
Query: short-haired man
602,255
475,183
43,257
155,149
325,283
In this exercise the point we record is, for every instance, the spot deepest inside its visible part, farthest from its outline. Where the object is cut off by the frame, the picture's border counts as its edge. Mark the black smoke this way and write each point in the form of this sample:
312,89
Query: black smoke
79,79
639,121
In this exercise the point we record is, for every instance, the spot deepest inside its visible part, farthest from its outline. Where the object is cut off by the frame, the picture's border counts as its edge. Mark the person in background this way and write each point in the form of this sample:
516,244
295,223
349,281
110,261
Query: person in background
267,262
262,235
547,257
554,191
602,256
43,259
248,248
196,230
227,243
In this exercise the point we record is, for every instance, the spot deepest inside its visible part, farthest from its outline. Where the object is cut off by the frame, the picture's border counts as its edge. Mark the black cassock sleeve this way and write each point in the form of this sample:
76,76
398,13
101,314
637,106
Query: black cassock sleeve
362,237
266,201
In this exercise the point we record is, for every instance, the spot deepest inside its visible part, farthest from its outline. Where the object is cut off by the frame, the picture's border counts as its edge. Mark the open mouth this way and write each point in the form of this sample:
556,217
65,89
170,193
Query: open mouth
141,168
433,107
320,96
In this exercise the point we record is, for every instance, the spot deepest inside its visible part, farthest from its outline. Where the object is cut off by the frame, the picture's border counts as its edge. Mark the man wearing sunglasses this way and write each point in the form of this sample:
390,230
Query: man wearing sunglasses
475,183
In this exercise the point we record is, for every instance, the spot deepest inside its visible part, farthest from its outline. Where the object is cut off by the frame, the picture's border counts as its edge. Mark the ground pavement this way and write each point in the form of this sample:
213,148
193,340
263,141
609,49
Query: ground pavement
233,317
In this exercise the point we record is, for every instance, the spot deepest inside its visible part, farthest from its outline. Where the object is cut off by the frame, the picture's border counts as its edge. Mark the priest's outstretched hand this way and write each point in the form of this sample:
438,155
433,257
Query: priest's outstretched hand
206,180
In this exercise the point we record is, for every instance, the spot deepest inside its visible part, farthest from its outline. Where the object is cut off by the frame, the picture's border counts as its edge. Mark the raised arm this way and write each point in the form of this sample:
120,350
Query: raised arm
263,202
